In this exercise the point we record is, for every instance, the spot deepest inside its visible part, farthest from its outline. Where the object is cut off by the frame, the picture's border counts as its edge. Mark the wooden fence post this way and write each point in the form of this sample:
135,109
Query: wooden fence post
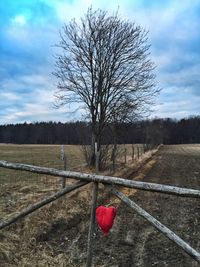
125,155
65,168
147,147
91,233
138,152
97,162
133,152
144,148
64,159
113,157
62,152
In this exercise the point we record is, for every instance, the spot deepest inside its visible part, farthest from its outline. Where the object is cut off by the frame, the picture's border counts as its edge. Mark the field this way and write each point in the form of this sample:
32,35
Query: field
19,189
40,155
134,241
56,235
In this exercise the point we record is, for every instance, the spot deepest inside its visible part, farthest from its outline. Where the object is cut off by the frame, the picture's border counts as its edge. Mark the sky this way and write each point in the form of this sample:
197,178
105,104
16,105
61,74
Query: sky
29,30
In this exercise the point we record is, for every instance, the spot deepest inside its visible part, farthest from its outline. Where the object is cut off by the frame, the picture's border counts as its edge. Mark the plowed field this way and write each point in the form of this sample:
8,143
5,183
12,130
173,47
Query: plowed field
56,235
134,242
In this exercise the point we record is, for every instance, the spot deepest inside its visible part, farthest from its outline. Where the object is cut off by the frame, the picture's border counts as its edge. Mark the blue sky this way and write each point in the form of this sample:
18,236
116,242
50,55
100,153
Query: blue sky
29,29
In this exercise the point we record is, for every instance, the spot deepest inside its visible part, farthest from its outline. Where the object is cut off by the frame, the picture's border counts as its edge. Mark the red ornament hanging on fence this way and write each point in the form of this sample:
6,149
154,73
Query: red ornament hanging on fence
105,217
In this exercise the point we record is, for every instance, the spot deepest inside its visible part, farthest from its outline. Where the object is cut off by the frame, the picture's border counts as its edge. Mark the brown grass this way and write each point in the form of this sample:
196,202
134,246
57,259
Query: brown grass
23,243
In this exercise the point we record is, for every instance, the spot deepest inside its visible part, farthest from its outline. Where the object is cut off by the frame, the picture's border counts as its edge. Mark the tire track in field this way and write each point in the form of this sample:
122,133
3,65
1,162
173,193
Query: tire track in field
137,243
133,242
179,214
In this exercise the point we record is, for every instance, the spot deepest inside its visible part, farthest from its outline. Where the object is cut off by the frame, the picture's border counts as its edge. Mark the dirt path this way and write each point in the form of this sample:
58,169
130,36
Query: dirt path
133,241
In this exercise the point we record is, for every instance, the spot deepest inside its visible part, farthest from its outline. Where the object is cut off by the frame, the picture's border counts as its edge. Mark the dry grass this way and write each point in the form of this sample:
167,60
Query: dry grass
43,155
25,243
20,244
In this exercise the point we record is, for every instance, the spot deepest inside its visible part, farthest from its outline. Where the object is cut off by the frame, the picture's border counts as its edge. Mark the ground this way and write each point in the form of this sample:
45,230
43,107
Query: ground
134,242
56,235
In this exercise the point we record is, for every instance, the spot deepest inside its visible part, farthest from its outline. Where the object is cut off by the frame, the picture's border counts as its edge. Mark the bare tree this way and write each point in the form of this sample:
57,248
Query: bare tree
105,66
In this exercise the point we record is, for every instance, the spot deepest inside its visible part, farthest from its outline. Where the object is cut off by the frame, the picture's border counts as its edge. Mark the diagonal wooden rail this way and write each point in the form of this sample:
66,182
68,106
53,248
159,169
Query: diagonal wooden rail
109,182
167,189
13,218
158,225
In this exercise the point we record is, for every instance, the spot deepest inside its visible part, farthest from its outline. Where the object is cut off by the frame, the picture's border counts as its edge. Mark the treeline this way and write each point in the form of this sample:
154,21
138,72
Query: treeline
156,131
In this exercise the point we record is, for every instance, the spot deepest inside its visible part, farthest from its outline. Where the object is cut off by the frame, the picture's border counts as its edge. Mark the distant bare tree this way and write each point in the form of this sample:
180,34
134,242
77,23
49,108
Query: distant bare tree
105,66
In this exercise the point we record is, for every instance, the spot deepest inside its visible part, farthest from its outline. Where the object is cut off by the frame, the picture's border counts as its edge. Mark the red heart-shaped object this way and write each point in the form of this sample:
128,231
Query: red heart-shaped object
105,217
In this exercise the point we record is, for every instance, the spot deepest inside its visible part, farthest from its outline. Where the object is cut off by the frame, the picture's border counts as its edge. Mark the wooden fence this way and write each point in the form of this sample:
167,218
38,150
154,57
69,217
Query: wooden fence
110,183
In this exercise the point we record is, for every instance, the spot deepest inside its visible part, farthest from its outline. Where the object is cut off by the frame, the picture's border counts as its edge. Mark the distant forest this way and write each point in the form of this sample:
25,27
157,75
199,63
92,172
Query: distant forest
156,131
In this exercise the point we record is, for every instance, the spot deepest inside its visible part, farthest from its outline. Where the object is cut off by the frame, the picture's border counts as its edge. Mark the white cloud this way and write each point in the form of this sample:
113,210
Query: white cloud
19,34
169,25
19,20
35,111
9,96
186,76
176,102
33,100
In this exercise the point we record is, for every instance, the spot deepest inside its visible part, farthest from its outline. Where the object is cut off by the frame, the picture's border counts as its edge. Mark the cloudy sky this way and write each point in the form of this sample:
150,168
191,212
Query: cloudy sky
29,29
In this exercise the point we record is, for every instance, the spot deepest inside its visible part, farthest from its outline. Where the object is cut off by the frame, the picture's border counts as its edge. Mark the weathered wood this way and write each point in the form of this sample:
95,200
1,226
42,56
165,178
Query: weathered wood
133,152
138,152
125,155
62,152
6,222
65,168
174,190
158,225
97,161
113,156
64,159
91,232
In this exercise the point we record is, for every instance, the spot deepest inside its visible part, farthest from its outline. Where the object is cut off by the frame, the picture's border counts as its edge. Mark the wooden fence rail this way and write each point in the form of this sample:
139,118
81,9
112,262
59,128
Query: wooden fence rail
6,222
109,182
158,225
174,190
